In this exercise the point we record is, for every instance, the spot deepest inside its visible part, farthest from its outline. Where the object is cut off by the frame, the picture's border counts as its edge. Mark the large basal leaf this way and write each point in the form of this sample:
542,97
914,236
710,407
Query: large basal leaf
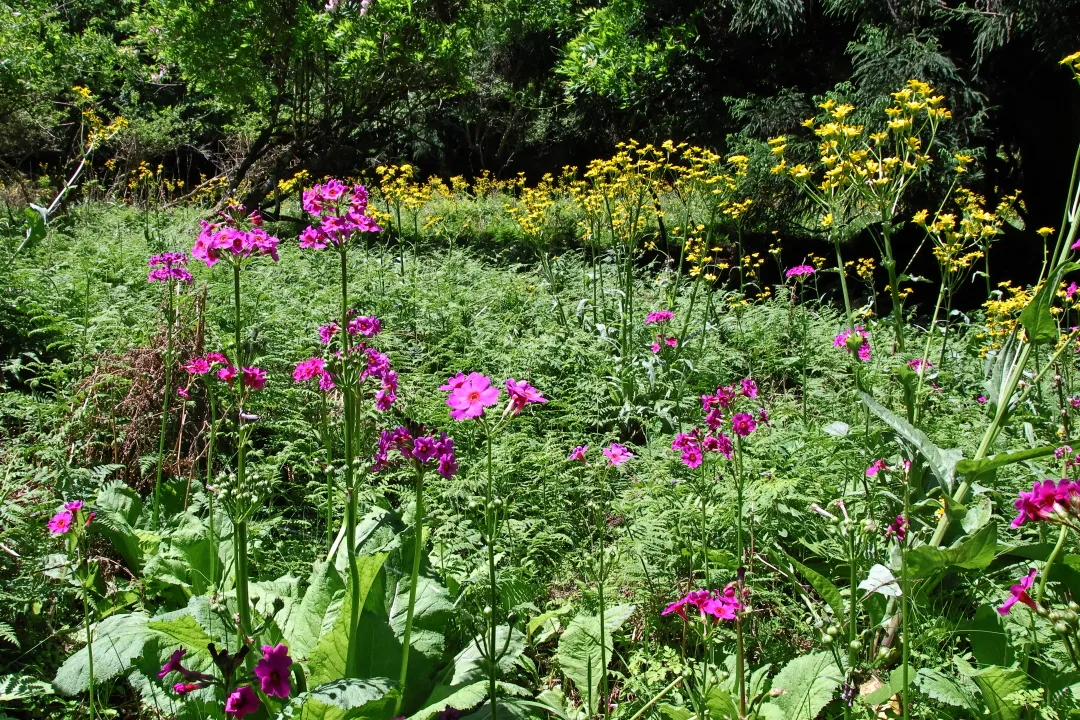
957,691
349,699
301,623
328,657
975,553
942,462
117,509
579,647
464,684
1036,318
117,642
808,684
998,687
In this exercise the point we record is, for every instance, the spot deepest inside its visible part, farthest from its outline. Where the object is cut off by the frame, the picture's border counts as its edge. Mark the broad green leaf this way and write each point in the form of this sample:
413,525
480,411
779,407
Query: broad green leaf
974,468
301,623
721,704
117,641
808,684
328,657
956,691
1036,318
975,553
509,708
464,684
348,699
118,508
184,631
824,587
20,687
942,462
672,712
579,648
998,686
987,638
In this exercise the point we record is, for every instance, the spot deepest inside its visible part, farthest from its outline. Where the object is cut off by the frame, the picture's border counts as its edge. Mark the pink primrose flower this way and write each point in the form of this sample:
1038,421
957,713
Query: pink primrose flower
470,398
309,369
522,394
60,522
617,454
254,378
659,316
876,467
273,671
742,424
578,454
242,701
799,272
1018,593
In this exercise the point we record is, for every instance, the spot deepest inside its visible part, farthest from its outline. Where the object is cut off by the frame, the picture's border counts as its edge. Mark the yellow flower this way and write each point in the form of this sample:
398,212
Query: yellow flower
827,220
1047,231
920,217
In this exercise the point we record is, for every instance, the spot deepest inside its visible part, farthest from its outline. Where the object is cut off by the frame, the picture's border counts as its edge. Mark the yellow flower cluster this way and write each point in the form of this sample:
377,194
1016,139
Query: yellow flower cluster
97,130
864,268
532,209
1073,62
960,241
398,187
289,186
1003,312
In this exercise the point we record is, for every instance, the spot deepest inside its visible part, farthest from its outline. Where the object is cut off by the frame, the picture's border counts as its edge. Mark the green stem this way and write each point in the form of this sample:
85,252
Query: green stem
493,591
1062,536
329,474
164,406
843,282
894,291
905,637
657,698
418,548
89,644
240,549
739,498
209,481
704,524
348,393
602,527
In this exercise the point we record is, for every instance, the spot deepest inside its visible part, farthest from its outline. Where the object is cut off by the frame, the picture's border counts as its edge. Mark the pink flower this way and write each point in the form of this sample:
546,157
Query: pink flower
1075,402
578,454
1045,500
169,266
742,424
74,505
876,467
1071,291
366,326
326,332
215,358
60,523
799,272
719,605
898,528
841,341
1062,451
671,341
1018,593
470,398
982,399
254,378
425,449
453,383
227,373
919,364
173,664
684,441
182,689
309,369
617,454
749,388
763,416
692,457
243,701
273,671
655,347
326,382
312,239
198,366
522,394
182,392
659,316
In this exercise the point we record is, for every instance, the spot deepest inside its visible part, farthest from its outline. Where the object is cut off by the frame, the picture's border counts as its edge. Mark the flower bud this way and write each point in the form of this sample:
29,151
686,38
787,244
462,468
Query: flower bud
488,611
1061,628
833,630
855,644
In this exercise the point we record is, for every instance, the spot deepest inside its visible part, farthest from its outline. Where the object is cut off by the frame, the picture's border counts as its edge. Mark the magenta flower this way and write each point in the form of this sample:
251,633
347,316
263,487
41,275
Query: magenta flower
578,454
340,212
655,347
1075,402
1046,500
182,688
469,399
254,378
425,449
273,671
182,392
216,358
919,364
327,332
198,366
243,701
671,341
719,605
1062,451
522,394
453,383
74,505
173,664
326,383
749,388
1018,593
1071,291
227,373
742,424
898,528
841,341
659,316
366,326
617,454
876,467
800,272
168,267
60,522
982,399
309,369
240,238
692,457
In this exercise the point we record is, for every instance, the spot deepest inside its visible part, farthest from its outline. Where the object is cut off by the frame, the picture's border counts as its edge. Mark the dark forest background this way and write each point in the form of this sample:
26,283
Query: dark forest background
259,90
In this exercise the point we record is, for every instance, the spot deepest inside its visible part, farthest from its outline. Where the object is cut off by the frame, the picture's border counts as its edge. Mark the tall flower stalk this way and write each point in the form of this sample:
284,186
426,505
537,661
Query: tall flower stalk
72,522
469,397
341,214
169,270
238,240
